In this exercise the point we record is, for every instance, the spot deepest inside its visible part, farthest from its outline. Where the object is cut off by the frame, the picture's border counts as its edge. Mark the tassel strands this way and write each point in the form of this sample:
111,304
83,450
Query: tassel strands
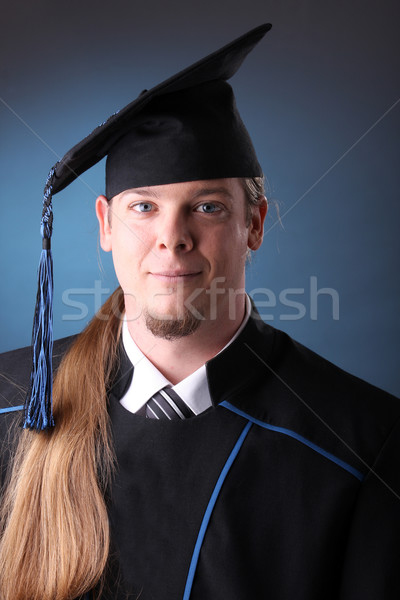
38,404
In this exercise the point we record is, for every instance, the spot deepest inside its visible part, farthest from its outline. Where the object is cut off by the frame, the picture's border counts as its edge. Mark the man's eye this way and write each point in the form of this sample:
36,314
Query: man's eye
208,208
142,207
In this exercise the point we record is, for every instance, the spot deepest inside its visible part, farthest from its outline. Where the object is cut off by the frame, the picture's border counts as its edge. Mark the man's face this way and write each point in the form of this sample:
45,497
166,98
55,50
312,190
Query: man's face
180,248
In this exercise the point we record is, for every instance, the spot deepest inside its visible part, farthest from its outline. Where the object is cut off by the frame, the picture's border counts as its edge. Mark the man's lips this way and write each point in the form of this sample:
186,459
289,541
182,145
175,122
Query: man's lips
174,276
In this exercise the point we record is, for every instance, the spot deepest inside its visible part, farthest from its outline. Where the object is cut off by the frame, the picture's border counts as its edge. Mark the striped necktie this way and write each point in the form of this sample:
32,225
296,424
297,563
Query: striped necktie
166,404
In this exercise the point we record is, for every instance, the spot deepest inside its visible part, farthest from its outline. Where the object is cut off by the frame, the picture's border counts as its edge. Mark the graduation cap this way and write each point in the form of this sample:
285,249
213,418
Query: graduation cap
186,128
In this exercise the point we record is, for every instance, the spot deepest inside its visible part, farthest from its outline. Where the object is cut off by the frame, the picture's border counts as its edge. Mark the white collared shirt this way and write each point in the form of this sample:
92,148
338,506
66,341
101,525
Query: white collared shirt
147,379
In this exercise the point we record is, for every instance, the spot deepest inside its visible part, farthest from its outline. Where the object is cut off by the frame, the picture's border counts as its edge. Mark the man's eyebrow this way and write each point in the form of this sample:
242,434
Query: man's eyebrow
212,191
144,192
202,192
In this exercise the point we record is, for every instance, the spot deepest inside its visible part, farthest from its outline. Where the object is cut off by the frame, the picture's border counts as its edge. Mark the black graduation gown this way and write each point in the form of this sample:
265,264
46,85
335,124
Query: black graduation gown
288,487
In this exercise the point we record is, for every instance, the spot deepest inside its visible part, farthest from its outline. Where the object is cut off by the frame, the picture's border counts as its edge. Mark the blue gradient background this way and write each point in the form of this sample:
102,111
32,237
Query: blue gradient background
311,90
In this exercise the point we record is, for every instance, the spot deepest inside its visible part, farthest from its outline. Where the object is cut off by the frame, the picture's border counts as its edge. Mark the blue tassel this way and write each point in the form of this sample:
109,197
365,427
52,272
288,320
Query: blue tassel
38,404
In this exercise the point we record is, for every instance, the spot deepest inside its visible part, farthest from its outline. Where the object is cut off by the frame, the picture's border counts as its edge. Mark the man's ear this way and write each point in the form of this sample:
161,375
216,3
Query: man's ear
256,227
103,216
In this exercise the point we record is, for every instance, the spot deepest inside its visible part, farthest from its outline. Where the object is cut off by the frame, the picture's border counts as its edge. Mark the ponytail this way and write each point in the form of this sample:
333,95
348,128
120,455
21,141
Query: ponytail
55,530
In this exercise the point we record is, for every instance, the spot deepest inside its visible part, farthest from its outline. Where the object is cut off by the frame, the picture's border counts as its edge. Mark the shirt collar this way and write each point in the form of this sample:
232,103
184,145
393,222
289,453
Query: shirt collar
147,379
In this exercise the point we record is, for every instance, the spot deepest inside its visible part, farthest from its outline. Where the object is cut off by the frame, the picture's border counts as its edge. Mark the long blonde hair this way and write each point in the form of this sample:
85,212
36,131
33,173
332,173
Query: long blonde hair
55,531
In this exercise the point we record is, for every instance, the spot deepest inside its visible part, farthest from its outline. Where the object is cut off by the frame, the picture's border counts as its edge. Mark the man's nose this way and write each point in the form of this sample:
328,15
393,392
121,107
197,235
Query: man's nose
174,233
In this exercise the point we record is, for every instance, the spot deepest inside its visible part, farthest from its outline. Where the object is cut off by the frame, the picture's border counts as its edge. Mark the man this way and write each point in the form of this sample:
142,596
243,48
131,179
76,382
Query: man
197,452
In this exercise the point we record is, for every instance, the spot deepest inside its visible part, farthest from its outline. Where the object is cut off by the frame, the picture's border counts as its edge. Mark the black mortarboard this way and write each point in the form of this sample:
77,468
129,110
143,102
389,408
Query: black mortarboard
184,129
187,111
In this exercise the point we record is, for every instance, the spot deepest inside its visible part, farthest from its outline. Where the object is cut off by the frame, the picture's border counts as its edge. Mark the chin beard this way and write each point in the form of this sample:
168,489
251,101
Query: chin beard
173,328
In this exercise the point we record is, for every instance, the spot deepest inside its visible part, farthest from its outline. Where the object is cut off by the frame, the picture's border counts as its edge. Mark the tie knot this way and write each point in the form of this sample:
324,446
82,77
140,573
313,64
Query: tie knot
167,404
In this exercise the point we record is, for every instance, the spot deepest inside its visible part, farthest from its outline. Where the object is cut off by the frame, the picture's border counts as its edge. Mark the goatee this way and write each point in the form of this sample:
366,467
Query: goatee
173,328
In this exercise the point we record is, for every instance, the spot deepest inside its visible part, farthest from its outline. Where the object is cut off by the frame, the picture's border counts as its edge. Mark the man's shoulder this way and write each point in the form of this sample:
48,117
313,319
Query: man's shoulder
294,366
322,379
289,364
293,388
15,368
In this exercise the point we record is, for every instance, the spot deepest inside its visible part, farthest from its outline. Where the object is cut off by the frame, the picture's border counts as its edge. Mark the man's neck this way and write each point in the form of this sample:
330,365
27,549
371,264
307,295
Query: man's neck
179,358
